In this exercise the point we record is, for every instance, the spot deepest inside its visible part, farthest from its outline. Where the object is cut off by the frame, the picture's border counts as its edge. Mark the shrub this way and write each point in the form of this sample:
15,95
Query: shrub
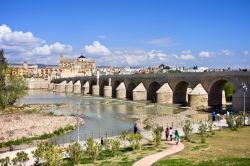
210,128
53,156
202,130
187,129
5,161
75,152
20,159
134,140
39,152
231,122
147,124
239,120
157,132
123,137
112,146
93,148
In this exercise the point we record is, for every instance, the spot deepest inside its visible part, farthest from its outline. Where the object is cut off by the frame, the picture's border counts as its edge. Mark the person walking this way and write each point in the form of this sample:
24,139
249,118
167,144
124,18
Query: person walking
135,128
102,141
213,116
177,137
167,133
171,133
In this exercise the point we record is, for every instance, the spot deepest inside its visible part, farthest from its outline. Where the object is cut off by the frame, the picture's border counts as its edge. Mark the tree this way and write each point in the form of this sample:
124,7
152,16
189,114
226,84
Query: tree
229,91
20,159
75,152
11,87
187,129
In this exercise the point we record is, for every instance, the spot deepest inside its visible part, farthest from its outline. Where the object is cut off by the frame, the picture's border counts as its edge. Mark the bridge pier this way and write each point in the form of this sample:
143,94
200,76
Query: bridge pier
69,87
224,101
77,87
140,93
121,91
51,86
198,97
95,90
107,91
85,88
61,87
238,100
164,94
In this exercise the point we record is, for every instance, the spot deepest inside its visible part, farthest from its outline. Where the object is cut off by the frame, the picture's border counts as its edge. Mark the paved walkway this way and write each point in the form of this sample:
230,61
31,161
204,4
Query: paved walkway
149,160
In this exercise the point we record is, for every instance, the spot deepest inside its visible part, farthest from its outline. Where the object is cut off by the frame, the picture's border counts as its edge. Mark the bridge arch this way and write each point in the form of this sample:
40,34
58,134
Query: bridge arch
215,96
102,84
180,93
151,92
129,90
114,86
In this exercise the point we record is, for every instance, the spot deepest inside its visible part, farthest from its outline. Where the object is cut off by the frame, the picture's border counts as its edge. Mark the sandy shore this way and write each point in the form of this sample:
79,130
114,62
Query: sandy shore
17,125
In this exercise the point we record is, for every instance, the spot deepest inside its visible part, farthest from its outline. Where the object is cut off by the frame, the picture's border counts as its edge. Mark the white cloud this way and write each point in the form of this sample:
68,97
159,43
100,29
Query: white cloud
246,52
162,42
20,46
97,49
186,55
205,54
226,52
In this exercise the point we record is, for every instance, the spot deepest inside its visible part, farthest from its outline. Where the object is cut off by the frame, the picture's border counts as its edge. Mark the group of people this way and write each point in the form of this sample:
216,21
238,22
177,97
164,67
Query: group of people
169,134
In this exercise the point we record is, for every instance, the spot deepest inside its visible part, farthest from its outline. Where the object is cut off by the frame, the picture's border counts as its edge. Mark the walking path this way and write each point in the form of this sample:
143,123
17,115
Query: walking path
149,160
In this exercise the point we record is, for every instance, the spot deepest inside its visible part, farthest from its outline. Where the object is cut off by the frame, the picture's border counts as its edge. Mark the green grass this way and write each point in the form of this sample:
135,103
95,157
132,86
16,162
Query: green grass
217,162
225,148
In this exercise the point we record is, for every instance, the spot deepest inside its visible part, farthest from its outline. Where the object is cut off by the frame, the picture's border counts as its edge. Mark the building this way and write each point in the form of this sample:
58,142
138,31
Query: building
49,72
24,70
81,66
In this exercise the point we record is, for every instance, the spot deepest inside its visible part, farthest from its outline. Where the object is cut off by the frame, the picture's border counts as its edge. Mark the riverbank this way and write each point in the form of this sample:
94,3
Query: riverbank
31,121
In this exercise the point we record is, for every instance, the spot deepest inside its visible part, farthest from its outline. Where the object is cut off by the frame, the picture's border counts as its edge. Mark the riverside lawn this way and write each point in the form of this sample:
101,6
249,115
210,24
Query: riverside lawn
226,147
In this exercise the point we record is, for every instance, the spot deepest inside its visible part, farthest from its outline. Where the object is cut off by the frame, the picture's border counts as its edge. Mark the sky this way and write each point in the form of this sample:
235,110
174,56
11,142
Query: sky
122,33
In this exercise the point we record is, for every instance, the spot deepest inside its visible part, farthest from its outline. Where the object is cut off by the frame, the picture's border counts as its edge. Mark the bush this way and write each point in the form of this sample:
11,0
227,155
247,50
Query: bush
147,124
123,137
157,132
134,140
187,129
202,130
93,148
5,161
20,159
210,128
75,152
112,146
40,151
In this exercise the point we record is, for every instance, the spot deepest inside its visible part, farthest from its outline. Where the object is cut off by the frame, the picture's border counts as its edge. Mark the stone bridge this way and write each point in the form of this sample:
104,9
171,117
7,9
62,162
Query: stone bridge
195,89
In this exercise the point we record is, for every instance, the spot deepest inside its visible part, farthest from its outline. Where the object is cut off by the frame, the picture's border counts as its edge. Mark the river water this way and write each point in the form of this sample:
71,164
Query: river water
103,117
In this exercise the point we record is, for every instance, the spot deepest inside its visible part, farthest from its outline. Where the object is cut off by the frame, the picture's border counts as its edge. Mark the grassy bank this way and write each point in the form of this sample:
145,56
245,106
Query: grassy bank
226,147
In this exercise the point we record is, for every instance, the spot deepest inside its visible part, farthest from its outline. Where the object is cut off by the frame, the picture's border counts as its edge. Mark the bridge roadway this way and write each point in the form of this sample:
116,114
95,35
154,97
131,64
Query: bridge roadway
194,89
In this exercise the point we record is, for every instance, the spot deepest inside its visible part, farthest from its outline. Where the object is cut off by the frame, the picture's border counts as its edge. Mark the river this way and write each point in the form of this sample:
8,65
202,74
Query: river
102,116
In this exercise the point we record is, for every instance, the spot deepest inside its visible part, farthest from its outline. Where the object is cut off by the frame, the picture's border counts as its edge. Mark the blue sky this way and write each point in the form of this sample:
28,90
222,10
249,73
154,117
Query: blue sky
212,33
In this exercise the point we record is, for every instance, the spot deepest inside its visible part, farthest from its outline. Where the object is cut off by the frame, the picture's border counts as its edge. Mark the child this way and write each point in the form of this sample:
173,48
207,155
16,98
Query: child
177,137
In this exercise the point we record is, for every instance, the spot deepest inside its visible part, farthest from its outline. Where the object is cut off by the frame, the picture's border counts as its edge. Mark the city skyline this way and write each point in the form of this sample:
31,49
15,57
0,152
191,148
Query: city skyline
128,33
